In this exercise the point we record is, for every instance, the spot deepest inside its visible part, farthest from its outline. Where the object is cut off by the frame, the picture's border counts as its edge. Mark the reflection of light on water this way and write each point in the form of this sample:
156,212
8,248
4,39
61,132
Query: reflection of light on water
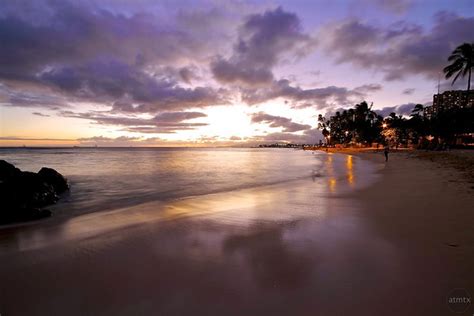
332,184
329,160
350,170
329,163
330,169
337,171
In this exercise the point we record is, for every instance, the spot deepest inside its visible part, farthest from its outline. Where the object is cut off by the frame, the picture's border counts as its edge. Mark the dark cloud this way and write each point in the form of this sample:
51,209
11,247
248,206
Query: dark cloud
318,97
408,91
228,72
263,40
35,34
279,121
400,49
107,139
40,114
87,52
30,98
392,6
187,74
113,80
177,116
166,122
402,109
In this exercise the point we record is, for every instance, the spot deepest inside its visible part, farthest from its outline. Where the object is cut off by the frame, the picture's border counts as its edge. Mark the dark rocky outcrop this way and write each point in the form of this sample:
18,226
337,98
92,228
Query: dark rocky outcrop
23,194
54,178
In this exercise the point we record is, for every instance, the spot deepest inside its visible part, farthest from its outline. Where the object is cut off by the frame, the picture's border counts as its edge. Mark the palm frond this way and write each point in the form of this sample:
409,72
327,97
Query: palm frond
465,71
455,57
450,70
455,78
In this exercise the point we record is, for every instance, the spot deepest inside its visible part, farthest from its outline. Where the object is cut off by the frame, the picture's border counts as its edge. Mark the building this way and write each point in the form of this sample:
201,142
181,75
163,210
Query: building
428,112
449,100
453,99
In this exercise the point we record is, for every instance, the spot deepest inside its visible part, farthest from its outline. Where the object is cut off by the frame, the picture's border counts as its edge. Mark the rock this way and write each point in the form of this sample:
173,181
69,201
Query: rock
24,194
54,178
7,170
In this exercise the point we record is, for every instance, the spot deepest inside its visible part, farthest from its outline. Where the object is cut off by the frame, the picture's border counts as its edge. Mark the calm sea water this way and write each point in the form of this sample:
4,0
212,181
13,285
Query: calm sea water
107,178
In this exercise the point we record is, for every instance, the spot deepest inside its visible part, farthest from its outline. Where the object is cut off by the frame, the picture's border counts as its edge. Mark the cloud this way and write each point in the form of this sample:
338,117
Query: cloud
408,91
121,141
400,49
177,116
107,139
114,80
391,6
227,72
83,51
15,138
287,135
263,40
162,123
188,74
318,97
278,121
402,109
40,114
31,98
82,31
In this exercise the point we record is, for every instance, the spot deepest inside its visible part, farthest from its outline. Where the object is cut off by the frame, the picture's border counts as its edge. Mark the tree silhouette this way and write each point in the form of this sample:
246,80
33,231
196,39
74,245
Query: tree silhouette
360,124
462,59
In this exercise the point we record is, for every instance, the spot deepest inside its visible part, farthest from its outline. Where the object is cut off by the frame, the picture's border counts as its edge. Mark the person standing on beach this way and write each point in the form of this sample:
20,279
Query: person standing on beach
385,152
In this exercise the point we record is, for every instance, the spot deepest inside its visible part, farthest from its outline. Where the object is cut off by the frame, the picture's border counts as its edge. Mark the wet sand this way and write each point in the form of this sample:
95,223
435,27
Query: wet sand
320,246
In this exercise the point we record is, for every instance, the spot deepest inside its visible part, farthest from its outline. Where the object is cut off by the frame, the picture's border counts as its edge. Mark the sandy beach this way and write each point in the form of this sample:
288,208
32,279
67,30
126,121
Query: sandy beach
396,246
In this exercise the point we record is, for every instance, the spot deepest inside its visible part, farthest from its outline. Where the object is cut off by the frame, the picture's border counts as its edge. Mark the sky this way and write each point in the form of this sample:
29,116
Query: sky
215,73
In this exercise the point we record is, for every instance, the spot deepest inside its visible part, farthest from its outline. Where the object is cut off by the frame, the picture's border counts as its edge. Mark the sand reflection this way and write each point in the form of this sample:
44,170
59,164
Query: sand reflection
341,172
234,262
350,170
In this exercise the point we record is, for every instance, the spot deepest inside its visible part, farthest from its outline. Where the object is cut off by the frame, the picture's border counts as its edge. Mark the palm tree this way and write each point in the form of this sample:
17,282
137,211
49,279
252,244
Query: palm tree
462,59
417,110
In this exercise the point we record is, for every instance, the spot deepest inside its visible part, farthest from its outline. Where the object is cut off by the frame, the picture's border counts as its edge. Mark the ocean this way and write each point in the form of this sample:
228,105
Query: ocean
108,178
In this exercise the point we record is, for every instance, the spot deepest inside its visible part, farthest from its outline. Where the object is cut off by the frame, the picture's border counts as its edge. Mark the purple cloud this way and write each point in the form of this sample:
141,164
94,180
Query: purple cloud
391,6
279,121
78,51
402,109
318,97
400,49
263,40
165,123
408,91
113,80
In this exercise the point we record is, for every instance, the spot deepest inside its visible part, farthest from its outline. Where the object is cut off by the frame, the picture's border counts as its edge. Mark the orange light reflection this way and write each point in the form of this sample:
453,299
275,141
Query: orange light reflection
350,170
